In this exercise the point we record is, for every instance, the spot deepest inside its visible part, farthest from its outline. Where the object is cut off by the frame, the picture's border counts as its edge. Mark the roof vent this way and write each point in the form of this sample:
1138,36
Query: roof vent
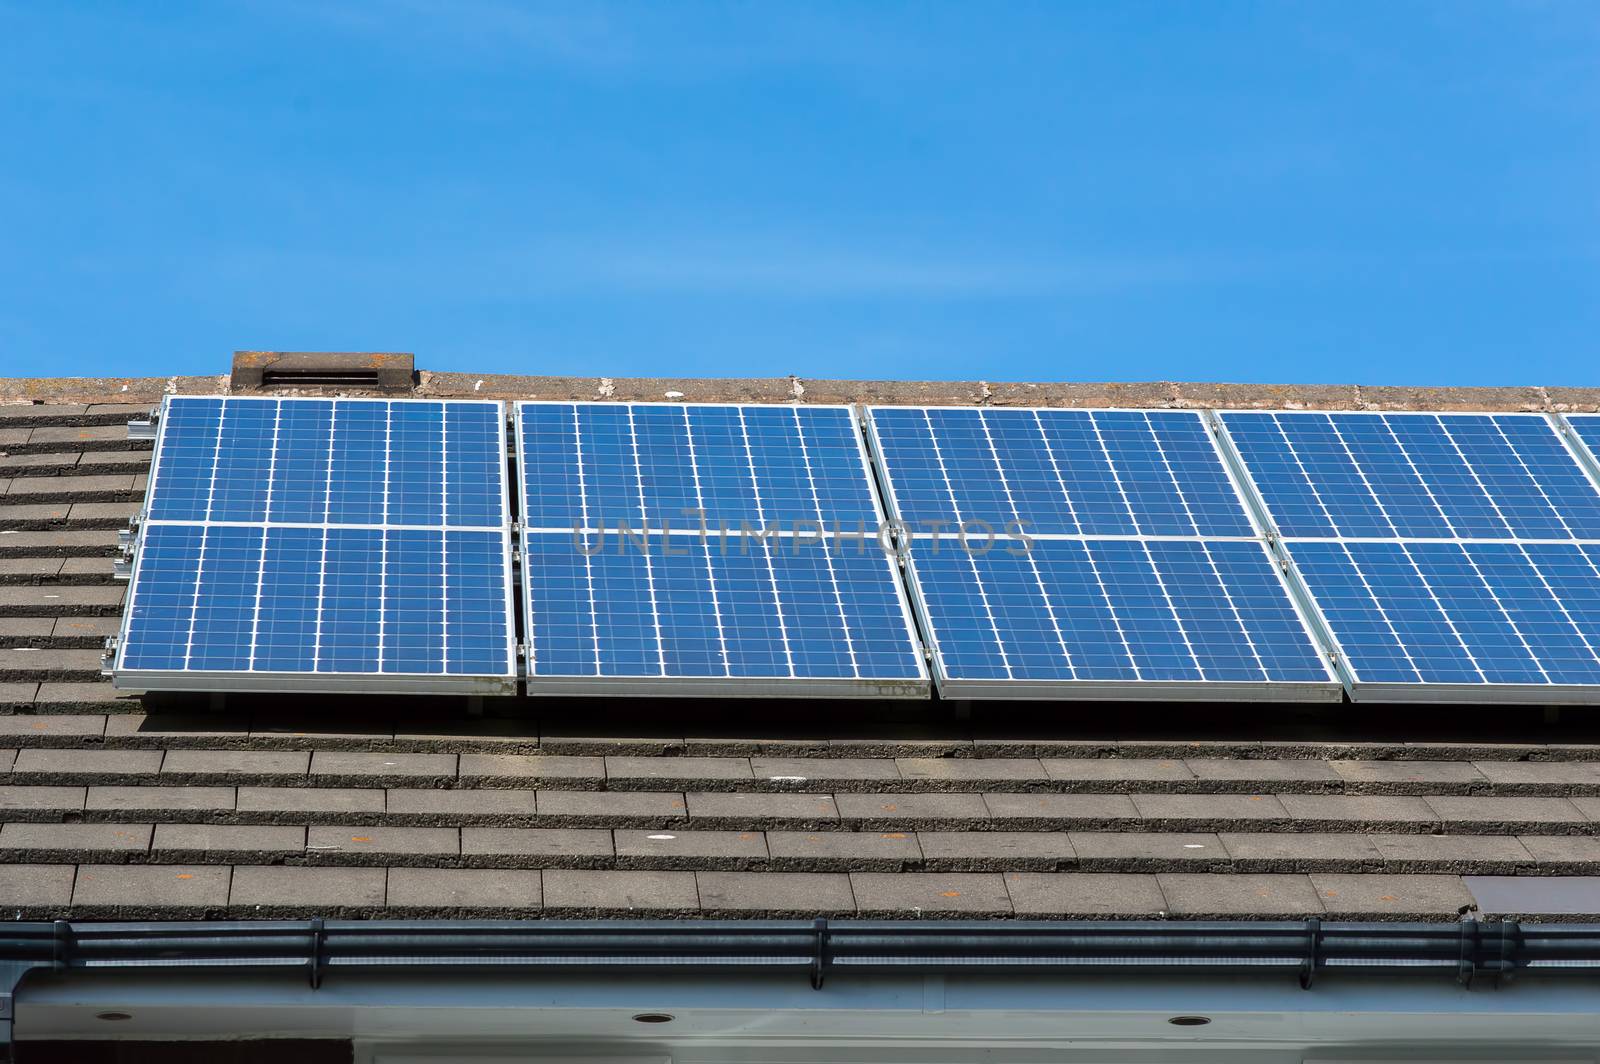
375,372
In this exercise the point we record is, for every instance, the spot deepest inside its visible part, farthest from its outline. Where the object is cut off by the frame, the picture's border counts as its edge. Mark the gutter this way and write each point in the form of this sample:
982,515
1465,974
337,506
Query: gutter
1470,953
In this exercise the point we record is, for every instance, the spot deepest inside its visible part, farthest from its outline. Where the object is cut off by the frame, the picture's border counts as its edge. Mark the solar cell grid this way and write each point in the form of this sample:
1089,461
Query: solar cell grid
592,465
1415,475
1447,555
323,544
1104,612
1057,472
1128,565
750,592
1457,615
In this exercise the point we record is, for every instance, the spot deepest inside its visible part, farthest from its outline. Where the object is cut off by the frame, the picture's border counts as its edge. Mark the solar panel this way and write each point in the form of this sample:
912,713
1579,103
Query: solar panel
1088,554
1449,557
323,545
1415,475
679,548
1584,432
1420,620
1058,472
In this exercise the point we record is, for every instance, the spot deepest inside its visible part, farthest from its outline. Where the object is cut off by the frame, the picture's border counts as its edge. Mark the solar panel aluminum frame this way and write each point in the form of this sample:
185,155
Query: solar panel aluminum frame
1329,690
1568,431
1421,692
244,682
713,686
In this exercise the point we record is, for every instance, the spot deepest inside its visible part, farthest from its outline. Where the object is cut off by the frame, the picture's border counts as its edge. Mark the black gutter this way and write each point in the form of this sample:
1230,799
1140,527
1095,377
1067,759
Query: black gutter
1464,951
1469,952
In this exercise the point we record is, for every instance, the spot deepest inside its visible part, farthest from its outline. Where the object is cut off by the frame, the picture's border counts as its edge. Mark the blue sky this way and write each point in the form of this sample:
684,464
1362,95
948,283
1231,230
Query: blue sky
1378,192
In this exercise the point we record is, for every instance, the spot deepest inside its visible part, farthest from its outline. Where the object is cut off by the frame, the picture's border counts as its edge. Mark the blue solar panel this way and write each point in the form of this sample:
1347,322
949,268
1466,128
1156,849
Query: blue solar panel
1415,476
1460,614
1443,553
1193,611
1057,472
1137,571
323,544
598,464
685,548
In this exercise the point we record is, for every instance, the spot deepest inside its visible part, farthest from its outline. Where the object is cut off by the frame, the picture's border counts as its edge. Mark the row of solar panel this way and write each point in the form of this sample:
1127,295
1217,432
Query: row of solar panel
368,545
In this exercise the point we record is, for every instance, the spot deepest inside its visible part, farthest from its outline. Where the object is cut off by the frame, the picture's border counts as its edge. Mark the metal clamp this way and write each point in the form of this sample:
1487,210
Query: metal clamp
1308,967
820,961
1467,966
319,952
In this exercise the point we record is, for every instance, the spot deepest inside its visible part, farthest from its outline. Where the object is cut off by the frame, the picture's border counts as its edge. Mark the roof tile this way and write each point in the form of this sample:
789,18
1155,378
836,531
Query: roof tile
1202,896
775,894
930,895
465,892
281,890
582,891
844,851
1391,897
1084,894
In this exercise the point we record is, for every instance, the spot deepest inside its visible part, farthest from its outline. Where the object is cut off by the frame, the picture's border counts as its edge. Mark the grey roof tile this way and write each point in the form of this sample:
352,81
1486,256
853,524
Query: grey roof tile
341,765
1253,770
1203,896
1046,811
523,769
584,891
37,888
1452,853
1549,777
1139,851
843,851
234,766
1335,812
341,843
515,847
931,894
1504,815
776,894
18,799
1410,777
1117,769
78,765
824,771
280,890
968,769
133,891
1084,894
1301,851
462,806
1210,811
890,811
612,808
660,848
162,802
650,773
210,842
31,730
1563,853
465,892
996,851
73,842
1390,897
732,809
336,800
